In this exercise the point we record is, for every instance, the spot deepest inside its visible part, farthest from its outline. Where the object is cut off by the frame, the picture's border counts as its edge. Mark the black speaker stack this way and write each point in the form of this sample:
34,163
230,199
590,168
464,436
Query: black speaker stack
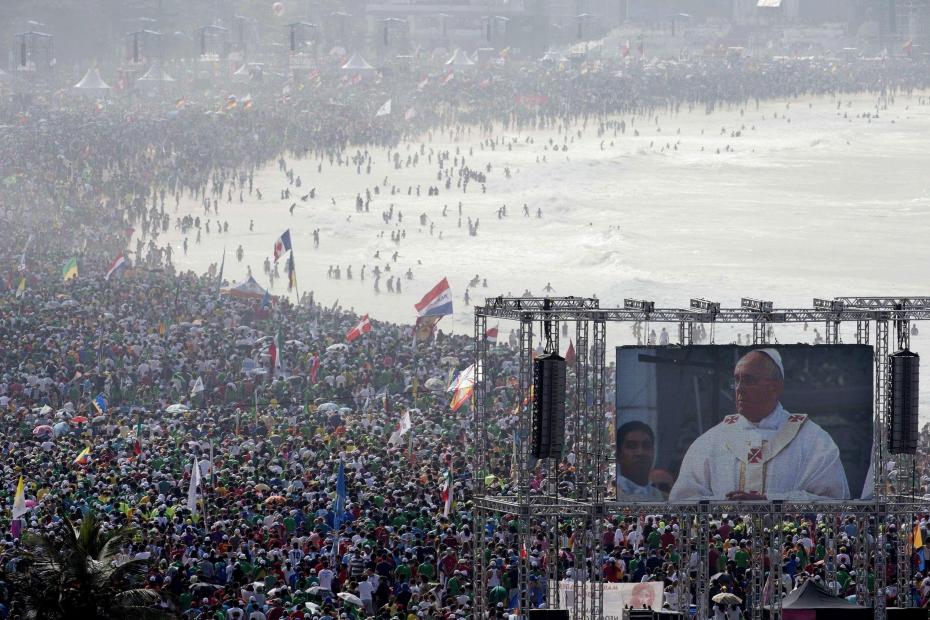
903,430
548,406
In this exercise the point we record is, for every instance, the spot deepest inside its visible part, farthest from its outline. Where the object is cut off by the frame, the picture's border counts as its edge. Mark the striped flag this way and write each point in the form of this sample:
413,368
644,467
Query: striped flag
115,266
70,270
82,458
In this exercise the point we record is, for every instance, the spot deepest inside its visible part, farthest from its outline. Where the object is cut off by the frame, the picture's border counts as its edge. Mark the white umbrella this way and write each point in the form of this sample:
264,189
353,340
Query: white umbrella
328,407
339,346
177,408
350,598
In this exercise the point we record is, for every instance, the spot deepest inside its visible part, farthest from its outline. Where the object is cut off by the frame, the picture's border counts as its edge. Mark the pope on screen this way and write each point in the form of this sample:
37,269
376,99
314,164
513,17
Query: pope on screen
762,451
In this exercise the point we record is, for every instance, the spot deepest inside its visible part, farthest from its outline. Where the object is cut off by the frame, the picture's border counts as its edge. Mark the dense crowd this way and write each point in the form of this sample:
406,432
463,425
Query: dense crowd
116,365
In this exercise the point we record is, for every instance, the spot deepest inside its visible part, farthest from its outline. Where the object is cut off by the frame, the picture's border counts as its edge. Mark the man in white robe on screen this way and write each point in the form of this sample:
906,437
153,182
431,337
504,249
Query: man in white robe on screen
762,451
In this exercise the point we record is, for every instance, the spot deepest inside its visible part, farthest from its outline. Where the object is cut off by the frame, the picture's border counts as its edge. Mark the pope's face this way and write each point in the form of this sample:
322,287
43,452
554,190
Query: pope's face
757,386
637,452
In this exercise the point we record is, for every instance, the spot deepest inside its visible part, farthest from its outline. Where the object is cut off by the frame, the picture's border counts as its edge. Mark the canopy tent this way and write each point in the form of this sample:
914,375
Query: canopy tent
250,289
155,74
460,59
812,601
555,57
357,63
92,82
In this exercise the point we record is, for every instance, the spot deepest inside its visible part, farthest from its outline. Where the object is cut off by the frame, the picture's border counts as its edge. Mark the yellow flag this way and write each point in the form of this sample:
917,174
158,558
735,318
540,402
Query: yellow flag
918,538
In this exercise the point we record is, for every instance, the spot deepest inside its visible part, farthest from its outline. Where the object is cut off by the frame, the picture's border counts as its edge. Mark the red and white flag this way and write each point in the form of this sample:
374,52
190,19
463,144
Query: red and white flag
403,427
570,354
363,327
446,492
491,334
115,266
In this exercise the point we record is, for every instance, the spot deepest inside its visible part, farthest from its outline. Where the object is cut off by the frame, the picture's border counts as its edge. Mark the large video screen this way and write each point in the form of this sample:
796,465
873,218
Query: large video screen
727,422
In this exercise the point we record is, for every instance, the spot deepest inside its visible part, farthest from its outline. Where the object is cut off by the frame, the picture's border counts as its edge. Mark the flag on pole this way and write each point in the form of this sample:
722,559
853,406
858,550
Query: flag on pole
198,387
282,245
340,506
21,289
115,266
463,387
491,334
570,354
461,397
437,302
100,403
446,493
291,273
463,379
192,492
276,350
219,281
19,500
403,427
82,458
385,109
918,537
424,328
70,270
363,327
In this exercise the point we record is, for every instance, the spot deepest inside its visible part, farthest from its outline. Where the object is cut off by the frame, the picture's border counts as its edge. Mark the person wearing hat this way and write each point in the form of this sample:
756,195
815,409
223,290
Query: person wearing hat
762,451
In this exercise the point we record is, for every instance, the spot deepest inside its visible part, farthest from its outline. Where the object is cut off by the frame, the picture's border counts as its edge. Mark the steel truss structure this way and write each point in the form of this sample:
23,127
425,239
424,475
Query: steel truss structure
570,514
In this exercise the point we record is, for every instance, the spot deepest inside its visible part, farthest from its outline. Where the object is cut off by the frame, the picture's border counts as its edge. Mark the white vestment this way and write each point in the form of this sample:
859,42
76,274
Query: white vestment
784,456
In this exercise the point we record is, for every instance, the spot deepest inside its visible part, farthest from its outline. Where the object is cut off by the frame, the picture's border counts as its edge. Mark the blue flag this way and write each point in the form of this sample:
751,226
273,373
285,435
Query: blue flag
340,508
100,403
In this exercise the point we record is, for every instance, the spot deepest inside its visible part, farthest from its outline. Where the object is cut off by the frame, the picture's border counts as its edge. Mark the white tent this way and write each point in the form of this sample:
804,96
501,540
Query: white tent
242,74
357,63
460,59
156,74
92,82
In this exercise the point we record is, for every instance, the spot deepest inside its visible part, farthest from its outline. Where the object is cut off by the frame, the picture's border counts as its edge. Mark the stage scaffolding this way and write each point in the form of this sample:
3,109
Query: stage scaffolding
562,512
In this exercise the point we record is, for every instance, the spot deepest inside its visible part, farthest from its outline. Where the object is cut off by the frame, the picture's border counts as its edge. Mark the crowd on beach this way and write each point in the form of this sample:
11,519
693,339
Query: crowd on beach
114,388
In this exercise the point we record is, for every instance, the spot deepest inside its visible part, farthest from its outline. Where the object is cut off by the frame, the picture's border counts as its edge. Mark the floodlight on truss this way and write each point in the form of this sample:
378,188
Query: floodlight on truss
711,307
833,305
639,304
758,305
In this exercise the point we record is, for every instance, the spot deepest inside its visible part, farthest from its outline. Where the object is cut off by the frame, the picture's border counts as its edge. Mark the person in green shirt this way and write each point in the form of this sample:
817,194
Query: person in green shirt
741,557
402,572
427,570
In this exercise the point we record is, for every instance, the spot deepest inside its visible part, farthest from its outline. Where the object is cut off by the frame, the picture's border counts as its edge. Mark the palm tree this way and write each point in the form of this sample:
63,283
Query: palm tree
73,573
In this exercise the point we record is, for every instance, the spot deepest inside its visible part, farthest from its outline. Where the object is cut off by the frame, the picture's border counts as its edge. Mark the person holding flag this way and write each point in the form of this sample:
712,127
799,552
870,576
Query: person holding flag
436,304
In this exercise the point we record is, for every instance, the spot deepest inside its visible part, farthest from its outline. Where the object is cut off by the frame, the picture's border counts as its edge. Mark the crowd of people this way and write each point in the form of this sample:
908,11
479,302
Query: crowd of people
117,389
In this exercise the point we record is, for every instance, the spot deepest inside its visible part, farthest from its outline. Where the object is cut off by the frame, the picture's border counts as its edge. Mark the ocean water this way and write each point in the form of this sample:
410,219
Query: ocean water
812,199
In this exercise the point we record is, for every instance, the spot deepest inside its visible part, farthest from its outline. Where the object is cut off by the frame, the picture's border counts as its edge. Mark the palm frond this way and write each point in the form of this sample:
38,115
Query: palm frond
121,575
137,598
113,546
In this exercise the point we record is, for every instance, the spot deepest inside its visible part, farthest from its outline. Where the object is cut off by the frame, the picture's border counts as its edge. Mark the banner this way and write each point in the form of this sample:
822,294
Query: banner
617,596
